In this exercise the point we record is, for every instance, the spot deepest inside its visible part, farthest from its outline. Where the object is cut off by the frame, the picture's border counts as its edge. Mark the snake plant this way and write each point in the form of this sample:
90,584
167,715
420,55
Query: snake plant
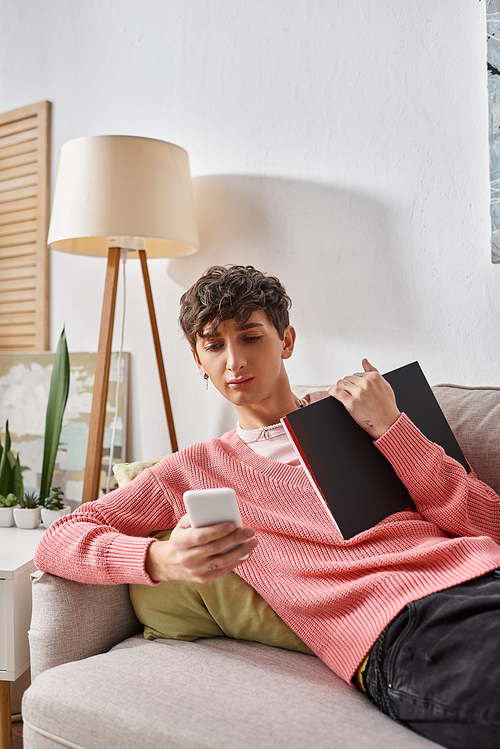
58,397
11,479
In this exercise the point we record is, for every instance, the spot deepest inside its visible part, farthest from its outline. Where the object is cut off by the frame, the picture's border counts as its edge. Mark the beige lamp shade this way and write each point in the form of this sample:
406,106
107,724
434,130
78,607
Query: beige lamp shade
123,191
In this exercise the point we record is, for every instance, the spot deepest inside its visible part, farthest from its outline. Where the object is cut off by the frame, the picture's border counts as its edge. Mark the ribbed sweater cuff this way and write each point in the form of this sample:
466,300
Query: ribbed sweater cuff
403,433
126,560
408,450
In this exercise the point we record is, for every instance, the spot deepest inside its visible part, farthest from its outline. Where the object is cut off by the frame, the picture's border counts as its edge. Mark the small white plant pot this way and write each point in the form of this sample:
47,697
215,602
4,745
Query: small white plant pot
6,517
48,516
25,518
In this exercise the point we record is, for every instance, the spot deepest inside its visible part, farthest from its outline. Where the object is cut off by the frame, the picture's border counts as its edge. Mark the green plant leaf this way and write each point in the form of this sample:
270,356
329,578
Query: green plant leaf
11,478
9,501
55,501
29,501
16,479
58,396
5,469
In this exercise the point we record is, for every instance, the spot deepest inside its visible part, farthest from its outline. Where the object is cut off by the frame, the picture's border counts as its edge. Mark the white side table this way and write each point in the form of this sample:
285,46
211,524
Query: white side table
17,548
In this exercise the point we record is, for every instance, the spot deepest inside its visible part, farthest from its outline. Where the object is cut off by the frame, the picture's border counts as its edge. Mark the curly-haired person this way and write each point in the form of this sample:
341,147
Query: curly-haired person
408,611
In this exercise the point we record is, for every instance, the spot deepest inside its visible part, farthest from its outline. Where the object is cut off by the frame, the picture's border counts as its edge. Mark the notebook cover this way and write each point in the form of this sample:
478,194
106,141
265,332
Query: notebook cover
354,480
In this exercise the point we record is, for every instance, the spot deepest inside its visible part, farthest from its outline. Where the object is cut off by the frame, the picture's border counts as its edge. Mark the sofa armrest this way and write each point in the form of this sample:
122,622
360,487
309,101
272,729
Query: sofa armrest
71,621
474,416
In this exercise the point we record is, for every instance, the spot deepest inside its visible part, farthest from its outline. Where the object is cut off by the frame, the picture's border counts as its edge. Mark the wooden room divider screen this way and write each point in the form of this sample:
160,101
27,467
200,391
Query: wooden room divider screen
24,220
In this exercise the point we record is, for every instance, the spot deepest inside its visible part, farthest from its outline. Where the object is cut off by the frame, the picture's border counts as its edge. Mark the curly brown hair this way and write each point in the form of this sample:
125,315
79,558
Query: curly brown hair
223,293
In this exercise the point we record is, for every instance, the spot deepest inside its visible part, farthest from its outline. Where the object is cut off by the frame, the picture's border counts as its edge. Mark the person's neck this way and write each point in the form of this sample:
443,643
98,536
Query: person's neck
267,413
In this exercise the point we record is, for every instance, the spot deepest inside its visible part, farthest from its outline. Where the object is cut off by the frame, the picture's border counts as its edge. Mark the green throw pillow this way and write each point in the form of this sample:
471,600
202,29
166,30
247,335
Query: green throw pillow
226,607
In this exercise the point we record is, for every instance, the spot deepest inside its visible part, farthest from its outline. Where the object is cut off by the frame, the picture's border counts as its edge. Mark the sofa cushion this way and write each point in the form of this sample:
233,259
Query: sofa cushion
127,472
227,606
474,416
210,694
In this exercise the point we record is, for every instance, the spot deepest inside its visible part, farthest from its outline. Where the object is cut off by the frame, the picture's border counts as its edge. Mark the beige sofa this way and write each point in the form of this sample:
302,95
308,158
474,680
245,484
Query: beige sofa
98,684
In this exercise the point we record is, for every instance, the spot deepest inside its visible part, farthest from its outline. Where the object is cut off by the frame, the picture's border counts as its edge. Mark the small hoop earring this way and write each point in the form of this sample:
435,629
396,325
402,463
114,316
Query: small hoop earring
206,378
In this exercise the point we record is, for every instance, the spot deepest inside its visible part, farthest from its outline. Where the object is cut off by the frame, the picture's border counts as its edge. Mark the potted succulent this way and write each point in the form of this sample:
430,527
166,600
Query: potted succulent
27,514
53,506
7,505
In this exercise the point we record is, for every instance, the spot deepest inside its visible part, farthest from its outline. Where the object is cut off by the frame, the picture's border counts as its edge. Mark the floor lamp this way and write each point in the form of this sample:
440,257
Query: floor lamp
114,193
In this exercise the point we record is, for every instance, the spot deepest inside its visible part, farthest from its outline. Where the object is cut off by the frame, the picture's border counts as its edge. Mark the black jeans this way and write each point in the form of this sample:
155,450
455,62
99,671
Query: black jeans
436,667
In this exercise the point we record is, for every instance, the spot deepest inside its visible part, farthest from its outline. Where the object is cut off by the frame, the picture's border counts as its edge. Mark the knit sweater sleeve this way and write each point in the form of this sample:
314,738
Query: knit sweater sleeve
443,491
106,541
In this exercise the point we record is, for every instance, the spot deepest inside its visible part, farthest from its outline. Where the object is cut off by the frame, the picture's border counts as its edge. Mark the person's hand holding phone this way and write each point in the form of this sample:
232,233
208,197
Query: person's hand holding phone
204,553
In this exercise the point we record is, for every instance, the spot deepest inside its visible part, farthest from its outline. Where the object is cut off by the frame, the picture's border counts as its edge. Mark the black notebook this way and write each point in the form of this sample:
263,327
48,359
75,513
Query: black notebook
353,479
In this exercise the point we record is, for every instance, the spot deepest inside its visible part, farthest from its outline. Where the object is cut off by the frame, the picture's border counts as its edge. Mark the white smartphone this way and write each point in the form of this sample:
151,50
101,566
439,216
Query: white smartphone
211,506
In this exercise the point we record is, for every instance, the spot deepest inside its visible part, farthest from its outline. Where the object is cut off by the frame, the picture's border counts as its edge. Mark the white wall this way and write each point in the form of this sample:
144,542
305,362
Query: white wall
340,145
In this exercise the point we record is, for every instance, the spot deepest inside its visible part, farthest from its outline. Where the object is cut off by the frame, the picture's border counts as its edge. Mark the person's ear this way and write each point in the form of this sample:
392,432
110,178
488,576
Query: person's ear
198,362
288,342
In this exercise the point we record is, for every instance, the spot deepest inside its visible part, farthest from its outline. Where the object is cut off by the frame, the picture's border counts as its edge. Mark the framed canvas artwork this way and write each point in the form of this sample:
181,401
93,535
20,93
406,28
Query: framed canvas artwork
24,392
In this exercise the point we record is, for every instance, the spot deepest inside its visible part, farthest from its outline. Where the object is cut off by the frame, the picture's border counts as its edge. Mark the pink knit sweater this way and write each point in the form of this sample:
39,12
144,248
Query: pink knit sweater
337,595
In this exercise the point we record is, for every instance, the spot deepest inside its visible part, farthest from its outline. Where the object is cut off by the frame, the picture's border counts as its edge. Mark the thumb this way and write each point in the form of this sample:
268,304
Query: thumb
368,367
184,522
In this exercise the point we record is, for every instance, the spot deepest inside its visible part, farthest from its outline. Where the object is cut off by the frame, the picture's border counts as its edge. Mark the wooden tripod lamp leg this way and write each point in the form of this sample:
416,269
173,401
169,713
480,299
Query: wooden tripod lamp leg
100,394
159,356
5,719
